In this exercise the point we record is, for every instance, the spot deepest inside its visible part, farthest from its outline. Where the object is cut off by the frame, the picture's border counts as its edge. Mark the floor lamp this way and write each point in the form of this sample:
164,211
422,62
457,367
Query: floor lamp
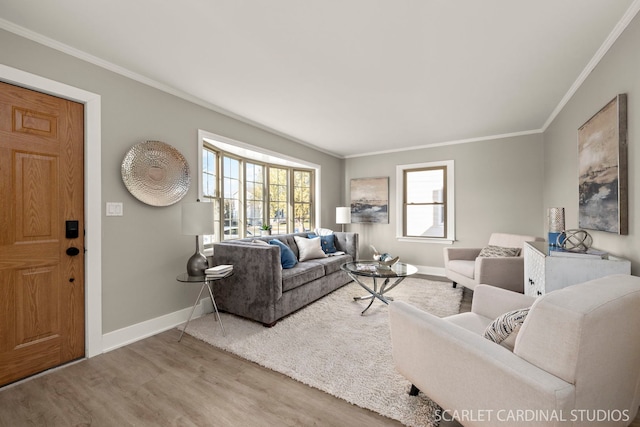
343,216
197,219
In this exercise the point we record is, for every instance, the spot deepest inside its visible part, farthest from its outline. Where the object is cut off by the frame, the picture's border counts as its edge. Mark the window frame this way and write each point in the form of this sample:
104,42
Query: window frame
448,197
245,153
224,174
287,201
254,230
295,202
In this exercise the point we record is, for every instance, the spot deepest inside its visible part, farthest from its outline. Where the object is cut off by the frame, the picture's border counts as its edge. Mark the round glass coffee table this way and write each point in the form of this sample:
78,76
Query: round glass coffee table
359,269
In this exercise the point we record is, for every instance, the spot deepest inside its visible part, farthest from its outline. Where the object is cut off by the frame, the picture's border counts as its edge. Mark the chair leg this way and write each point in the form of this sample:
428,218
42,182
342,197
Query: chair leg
414,390
455,284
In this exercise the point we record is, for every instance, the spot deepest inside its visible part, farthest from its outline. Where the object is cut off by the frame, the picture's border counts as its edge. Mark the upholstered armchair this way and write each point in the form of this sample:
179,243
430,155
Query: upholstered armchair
473,266
576,355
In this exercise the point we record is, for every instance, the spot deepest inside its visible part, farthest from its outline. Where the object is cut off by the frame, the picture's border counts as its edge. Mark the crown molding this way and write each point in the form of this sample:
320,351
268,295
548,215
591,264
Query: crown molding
84,56
454,142
600,53
629,15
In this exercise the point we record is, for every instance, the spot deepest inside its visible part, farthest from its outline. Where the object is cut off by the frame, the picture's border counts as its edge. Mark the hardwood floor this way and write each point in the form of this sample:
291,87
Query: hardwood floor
161,382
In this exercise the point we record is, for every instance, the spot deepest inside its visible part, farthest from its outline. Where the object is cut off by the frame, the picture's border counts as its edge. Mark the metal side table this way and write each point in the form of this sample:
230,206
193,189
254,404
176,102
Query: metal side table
206,281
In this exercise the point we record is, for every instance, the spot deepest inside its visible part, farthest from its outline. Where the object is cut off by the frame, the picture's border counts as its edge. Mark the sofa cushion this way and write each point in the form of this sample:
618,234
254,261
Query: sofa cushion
309,248
506,327
498,251
301,274
464,267
287,257
470,321
332,264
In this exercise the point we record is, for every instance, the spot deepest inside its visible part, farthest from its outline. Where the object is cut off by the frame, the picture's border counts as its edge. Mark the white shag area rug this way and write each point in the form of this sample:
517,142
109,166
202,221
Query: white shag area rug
330,346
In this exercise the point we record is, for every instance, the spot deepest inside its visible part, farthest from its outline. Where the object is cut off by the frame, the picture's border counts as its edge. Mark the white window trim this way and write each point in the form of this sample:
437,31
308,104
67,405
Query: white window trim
450,232
259,154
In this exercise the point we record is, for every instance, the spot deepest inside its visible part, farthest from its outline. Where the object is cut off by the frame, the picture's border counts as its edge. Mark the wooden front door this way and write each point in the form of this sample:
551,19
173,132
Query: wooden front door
41,195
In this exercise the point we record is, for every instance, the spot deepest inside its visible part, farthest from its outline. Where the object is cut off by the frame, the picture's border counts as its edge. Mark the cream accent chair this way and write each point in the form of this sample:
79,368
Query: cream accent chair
578,349
464,266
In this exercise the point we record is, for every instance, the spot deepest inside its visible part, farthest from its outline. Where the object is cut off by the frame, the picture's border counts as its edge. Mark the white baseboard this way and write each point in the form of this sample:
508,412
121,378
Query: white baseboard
432,271
133,333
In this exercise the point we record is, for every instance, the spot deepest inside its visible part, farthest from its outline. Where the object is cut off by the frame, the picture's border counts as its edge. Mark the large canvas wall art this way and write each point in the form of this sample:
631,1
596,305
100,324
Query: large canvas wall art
602,169
370,200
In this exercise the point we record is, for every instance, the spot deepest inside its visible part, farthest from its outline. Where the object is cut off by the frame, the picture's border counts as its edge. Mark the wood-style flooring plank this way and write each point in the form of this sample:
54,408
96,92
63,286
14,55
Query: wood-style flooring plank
160,382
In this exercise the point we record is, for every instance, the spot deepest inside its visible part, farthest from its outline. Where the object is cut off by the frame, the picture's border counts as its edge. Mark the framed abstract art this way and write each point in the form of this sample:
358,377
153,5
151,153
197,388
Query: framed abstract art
602,169
370,200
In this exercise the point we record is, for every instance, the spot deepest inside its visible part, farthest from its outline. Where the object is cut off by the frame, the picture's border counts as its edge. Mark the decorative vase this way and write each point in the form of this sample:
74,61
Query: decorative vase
555,219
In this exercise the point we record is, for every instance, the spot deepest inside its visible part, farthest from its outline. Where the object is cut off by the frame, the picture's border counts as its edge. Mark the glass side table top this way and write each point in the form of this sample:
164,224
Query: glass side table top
373,269
185,278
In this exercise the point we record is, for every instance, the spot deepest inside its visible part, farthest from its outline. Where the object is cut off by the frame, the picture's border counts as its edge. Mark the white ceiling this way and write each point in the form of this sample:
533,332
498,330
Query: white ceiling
349,77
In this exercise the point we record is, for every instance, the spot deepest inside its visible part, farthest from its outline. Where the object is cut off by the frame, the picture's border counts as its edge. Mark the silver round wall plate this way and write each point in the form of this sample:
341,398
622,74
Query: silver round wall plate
156,173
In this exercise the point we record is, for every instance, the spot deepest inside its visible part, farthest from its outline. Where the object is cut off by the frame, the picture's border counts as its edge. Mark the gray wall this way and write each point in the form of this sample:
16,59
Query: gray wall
143,251
498,188
501,185
618,72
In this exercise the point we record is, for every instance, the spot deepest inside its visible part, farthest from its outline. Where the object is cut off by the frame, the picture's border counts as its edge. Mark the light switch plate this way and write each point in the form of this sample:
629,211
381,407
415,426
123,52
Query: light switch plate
114,209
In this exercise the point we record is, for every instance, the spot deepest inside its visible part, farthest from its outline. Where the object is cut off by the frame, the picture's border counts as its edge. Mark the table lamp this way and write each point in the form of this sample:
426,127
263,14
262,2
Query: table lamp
343,216
197,219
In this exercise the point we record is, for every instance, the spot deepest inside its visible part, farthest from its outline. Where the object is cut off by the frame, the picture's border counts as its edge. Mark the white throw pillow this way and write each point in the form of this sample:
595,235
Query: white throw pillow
309,248
323,231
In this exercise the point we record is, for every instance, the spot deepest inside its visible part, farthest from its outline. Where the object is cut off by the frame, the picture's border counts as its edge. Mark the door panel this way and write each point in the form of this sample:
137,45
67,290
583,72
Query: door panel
41,187
36,317
37,197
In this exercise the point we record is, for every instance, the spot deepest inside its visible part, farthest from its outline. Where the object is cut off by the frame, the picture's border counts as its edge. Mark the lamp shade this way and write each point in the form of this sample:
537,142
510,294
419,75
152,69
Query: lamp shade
197,218
343,215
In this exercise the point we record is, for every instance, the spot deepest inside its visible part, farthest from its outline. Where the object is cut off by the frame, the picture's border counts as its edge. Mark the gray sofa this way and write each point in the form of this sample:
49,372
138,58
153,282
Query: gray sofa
261,290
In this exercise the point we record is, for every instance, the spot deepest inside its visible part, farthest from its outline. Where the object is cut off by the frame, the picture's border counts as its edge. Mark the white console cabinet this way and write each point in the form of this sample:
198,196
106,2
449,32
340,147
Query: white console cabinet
544,273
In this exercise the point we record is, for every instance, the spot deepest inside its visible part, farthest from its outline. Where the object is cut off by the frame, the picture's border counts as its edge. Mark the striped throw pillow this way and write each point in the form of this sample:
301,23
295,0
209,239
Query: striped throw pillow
505,325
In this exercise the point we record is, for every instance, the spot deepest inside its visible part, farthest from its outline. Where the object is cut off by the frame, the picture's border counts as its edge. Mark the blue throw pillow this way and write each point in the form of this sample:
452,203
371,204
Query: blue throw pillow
287,257
327,242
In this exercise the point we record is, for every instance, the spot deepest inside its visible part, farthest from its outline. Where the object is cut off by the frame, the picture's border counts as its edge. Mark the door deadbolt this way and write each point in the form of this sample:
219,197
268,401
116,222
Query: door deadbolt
71,229
72,251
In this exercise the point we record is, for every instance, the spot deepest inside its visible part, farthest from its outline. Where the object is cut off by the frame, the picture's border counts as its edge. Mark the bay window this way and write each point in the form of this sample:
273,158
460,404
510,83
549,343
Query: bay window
249,193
